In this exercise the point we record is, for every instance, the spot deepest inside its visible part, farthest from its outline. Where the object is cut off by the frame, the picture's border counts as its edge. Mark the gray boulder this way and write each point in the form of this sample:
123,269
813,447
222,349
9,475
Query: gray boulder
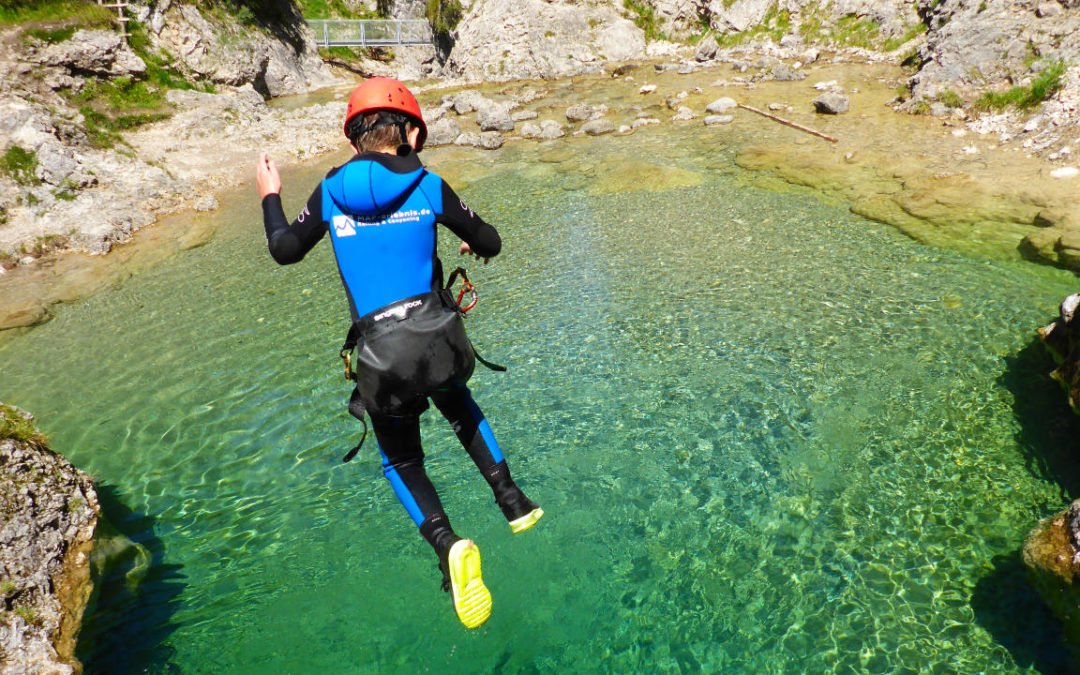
580,112
721,105
94,51
443,132
714,120
494,117
707,49
550,130
530,130
785,73
540,39
467,101
598,127
831,103
684,114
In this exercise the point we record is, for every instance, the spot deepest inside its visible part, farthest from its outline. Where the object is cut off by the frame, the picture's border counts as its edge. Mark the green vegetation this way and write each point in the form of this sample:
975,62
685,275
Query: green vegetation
851,31
16,427
43,246
80,13
1043,87
51,36
20,165
645,19
910,34
29,615
329,9
951,99
444,15
773,26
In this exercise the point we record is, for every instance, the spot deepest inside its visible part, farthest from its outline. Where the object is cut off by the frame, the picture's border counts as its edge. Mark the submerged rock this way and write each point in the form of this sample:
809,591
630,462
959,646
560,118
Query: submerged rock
1052,554
831,103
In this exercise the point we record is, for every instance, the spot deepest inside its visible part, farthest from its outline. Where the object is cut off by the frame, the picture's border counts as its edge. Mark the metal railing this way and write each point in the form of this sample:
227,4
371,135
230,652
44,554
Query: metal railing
371,32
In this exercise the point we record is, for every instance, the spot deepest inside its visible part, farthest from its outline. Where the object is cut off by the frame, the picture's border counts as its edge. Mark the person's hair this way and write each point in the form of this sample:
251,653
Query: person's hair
378,130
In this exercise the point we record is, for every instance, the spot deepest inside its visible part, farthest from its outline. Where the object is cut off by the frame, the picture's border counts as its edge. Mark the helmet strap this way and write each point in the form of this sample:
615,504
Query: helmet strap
384,122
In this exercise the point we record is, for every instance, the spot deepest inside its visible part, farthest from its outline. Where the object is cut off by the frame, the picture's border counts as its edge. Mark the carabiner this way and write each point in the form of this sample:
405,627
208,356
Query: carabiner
466,287
346,356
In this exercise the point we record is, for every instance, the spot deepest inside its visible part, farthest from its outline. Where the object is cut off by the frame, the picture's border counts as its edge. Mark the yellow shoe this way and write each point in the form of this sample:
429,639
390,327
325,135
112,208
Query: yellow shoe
526,521
472,600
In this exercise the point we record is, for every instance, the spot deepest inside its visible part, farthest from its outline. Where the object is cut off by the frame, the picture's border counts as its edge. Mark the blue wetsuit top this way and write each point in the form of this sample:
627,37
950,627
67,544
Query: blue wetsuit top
381,211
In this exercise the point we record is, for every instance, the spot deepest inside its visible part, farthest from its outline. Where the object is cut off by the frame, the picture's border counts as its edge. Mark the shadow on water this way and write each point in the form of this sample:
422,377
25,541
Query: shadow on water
1049,433
1007,605
1005,602
135,595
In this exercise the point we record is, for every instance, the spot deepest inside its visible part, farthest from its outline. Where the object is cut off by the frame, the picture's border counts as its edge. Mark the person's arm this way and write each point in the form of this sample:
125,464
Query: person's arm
287,243
478,238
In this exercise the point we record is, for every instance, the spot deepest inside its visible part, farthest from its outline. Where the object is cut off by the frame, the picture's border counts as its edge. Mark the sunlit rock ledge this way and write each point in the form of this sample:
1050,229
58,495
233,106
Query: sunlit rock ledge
48,515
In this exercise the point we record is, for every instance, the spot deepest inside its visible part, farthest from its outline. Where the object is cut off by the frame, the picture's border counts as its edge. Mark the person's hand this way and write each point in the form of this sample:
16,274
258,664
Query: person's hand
465,249
267,178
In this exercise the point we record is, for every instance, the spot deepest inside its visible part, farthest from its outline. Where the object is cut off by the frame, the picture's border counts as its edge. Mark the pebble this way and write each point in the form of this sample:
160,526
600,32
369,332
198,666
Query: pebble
1065,172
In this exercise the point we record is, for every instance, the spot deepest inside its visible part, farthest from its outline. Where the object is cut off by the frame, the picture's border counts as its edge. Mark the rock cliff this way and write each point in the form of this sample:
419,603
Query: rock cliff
49,513
501,40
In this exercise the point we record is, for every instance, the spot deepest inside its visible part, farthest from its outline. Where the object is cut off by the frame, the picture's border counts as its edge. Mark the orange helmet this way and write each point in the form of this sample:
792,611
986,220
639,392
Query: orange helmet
385,93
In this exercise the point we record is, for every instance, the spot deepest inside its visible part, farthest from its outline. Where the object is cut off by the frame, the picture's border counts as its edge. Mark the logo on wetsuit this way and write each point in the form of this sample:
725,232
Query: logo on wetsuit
399,311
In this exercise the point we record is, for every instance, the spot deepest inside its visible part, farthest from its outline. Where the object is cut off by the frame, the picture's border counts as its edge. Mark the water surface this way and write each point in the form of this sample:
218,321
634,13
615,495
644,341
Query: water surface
769,436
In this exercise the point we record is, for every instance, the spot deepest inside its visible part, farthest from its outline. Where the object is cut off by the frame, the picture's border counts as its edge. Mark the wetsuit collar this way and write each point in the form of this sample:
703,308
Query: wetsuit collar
396,163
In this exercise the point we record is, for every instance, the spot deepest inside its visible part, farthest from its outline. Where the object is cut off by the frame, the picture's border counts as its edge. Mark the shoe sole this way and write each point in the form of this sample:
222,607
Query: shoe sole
472,600
526,521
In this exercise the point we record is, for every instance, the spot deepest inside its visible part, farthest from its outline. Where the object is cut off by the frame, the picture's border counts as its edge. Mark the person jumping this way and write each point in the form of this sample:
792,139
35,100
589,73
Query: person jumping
381,209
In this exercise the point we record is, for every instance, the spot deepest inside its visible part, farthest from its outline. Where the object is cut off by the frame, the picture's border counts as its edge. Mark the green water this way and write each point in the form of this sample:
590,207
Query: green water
769,436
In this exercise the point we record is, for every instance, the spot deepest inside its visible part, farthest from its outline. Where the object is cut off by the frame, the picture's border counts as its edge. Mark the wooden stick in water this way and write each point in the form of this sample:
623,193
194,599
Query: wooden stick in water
790,124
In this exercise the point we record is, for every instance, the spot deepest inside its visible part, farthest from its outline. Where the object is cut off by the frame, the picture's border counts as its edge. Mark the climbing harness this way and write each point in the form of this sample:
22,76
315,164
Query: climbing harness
435,329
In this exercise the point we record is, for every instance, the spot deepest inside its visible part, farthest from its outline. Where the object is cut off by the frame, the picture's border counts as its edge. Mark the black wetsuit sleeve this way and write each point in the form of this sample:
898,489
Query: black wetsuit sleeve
481,237
290,243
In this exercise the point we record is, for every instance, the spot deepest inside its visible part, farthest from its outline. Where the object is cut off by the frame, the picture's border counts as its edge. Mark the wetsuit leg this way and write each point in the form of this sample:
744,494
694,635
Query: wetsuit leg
460,410
458,407
403,464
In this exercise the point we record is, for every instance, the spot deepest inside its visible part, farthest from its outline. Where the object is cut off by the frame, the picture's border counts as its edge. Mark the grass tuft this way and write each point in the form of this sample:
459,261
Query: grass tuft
20,165
1043,87
16,427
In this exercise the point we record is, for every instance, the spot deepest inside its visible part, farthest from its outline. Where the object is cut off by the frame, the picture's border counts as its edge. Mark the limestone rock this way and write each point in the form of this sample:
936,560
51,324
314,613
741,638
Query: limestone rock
580,112
721,105
494,118
713,120
1062,338
785,73
1052,555
598,127
530,130
550,130
94,51
540,39
226,55
50,513
443,132
684,114
831,103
